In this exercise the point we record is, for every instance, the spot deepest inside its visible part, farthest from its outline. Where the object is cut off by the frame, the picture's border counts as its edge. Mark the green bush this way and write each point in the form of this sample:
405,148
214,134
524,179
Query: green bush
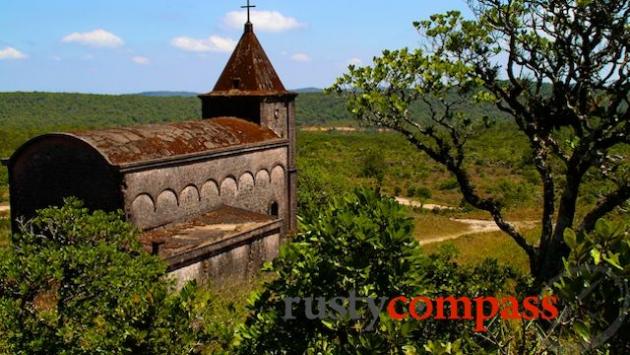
75,282
594,288
511,193
448,184
593,300
424,193
317,188
373,165
361,242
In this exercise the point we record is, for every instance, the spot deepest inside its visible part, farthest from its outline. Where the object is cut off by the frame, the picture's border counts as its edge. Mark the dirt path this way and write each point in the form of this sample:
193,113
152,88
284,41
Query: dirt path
474,225
427,206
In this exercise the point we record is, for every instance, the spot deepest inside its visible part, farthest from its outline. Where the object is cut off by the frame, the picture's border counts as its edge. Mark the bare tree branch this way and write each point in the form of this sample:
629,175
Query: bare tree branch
609,203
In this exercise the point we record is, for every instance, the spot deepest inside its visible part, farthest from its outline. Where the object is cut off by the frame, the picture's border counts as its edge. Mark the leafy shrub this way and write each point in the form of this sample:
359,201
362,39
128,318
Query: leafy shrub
397,190
530,175
424,193
448,184
75,282
317,188
594,287
373,165
411,191
512,193
594,300
361,242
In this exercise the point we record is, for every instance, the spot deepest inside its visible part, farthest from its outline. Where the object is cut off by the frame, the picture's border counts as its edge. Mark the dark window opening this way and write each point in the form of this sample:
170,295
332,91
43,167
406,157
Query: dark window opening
274,210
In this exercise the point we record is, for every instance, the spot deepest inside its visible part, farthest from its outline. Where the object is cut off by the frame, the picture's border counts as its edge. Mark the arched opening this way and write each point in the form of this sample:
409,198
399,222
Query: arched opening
274,209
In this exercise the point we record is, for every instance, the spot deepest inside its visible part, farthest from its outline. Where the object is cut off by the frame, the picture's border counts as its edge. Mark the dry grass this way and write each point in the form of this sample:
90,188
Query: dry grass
474,248
5,230
429,225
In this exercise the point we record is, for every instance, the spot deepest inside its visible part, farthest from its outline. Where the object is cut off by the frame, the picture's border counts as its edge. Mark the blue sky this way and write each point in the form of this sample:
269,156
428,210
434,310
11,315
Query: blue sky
126,46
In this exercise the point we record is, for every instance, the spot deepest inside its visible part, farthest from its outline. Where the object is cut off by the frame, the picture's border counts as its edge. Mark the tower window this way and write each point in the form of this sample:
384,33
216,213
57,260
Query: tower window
236,83
276,114
274,209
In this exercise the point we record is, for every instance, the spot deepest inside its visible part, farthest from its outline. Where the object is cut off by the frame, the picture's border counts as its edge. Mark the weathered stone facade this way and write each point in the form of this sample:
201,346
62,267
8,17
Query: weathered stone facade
213,197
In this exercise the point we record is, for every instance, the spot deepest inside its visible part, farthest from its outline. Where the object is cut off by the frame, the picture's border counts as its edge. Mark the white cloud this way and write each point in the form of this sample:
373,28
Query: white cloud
270,21
210,44
11,53
96,38
355,61
140,60
56,58
301,57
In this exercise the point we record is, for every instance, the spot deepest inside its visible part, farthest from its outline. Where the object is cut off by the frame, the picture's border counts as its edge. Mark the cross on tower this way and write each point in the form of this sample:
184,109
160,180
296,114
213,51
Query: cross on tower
248,7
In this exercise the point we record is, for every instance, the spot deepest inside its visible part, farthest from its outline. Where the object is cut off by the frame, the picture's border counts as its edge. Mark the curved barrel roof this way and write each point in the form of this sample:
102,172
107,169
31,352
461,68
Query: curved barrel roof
147,143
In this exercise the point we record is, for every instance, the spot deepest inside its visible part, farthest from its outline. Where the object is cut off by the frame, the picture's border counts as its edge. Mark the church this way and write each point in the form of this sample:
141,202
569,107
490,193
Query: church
213,197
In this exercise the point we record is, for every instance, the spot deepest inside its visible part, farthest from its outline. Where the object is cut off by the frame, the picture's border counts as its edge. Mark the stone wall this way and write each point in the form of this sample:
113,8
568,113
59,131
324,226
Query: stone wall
238,263
252,181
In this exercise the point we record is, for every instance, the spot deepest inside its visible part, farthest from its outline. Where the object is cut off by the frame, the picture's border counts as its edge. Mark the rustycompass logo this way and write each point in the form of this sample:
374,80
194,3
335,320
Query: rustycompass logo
453,308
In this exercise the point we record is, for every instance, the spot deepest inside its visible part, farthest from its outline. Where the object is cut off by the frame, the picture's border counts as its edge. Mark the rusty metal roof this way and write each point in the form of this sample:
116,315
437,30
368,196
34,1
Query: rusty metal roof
136,144
249,71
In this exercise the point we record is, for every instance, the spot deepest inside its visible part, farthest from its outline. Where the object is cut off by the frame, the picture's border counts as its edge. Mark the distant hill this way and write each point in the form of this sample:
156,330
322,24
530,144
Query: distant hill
24,115
167,93
308,90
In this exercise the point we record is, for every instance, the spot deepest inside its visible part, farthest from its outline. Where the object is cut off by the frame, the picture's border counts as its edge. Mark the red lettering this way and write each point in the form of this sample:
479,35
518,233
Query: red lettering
550,311
454,303
428,308
481,316
510,312
391,308
530,305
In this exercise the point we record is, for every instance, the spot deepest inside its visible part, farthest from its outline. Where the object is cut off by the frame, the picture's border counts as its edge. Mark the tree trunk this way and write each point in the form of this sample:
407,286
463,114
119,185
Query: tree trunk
550,258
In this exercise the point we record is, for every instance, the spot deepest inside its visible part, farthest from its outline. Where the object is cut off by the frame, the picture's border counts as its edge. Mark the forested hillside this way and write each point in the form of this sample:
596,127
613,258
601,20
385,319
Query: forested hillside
23,115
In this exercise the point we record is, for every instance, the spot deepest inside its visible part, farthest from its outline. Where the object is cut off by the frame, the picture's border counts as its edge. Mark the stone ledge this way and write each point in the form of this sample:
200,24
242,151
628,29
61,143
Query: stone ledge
216,232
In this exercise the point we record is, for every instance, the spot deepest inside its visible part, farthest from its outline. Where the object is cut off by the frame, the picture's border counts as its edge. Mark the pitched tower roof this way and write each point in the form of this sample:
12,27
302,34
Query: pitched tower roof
249,71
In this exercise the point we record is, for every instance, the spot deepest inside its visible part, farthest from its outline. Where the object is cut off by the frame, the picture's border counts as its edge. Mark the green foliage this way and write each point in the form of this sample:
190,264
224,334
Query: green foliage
360,242
317,188
594,287
537,88
449,184
424,193
510,193
373,165
74,282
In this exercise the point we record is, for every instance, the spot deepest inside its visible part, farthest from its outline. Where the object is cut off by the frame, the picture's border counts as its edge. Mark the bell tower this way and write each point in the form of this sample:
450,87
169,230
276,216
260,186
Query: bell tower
249,88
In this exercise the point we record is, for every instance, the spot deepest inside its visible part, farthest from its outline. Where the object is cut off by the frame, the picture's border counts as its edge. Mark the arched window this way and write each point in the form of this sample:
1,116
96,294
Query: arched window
274,209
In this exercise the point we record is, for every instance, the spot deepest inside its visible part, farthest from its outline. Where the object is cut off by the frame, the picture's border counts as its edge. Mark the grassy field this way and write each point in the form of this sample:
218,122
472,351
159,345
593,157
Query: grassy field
474,248
407,170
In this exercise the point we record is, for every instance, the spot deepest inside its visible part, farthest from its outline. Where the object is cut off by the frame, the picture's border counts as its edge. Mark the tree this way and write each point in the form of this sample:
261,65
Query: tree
558,69
73,282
